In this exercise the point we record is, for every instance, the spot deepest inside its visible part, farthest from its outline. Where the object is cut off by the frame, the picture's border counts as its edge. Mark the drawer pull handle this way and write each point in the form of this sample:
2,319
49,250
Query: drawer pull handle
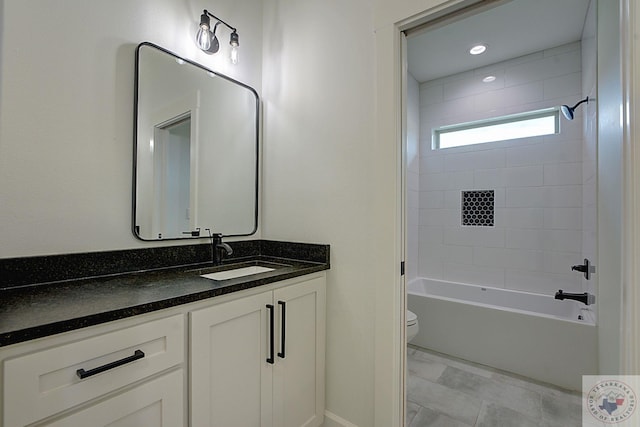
284,328
271,358
82,374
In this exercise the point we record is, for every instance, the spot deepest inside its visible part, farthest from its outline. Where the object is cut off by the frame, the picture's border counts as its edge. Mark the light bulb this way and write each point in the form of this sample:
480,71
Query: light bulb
235,43
234,55
203,37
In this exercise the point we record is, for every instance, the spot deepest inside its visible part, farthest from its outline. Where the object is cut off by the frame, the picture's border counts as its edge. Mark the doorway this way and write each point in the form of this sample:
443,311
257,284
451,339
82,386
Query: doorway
438,244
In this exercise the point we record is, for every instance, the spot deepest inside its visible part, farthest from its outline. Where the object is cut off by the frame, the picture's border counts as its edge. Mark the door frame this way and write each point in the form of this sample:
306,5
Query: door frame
390,359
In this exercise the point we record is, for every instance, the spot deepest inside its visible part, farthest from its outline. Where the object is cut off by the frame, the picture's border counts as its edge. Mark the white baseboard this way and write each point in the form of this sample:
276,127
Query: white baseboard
332,420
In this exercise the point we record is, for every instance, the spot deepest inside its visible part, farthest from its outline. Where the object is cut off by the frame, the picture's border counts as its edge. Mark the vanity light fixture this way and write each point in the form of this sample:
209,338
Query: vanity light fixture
206,37
478,49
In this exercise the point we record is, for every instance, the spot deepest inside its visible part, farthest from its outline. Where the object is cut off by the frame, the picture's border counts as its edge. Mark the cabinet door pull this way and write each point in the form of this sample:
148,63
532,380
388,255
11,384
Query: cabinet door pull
271,358
82,374
283,306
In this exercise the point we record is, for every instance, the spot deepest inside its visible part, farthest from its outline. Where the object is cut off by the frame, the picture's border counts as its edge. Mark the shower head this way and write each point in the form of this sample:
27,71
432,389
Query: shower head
567,111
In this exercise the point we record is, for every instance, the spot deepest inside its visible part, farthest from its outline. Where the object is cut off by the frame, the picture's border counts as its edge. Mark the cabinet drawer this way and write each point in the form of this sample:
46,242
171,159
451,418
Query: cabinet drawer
157,403
43,383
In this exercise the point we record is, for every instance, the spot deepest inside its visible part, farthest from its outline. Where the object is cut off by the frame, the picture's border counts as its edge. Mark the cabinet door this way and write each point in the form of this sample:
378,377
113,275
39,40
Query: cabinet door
230,377
157,403
298,377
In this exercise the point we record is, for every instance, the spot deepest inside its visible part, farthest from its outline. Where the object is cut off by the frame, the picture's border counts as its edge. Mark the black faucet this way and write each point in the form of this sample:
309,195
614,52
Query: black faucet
585,298
218,249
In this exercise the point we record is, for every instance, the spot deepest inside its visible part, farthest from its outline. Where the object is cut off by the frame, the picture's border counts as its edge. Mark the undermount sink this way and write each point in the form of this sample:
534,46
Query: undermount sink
237,272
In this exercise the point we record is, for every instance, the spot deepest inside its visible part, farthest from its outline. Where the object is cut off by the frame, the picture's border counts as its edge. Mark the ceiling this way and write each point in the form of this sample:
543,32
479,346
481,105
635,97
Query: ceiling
513,29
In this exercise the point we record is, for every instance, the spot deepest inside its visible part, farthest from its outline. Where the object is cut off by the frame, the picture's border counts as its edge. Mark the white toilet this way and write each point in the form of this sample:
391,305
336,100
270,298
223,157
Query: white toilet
412,325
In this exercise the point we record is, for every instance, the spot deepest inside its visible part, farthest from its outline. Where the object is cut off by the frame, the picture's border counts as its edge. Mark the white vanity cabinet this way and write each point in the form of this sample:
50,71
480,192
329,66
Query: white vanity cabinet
128,376
135,372
259,360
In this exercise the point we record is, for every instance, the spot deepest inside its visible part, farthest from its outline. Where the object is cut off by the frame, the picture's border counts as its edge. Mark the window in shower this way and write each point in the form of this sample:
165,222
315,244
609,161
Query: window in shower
522,125
478,208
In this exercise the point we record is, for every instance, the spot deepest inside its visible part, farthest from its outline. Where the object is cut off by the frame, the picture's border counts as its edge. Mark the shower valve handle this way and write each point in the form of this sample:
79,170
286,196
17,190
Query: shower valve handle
587,269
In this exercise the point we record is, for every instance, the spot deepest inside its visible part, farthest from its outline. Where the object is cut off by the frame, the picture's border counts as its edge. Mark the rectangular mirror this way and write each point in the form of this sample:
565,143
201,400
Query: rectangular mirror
195,150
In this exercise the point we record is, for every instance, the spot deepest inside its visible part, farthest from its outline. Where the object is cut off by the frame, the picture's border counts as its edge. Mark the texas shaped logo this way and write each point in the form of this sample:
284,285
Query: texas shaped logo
611,402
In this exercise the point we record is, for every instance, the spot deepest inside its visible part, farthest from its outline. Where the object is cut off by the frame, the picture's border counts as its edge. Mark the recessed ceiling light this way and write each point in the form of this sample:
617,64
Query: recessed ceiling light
489,79
477,49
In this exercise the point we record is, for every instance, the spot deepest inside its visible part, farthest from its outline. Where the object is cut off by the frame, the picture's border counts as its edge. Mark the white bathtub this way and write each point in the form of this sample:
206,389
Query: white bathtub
528,334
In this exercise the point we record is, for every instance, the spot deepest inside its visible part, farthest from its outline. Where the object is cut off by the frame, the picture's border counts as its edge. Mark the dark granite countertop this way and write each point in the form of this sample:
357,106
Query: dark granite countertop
34,311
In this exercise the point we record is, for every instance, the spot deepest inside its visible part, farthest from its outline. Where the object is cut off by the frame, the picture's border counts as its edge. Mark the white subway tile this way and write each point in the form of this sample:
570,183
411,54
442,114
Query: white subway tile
461,110
499,200
452,199
520,217
432,163
472,86
413,181
433,181
452,217
432,217
569,86
520,259
480,159
548,67
431,199
477,275
458,254
431,235
489,178
562,240
524,176
474,236
553,196
563,174
561,262
569,196
563,218
431,94
510,96
524,238
544,240
546,152
413,217
525,197
569,130
431,268
540,282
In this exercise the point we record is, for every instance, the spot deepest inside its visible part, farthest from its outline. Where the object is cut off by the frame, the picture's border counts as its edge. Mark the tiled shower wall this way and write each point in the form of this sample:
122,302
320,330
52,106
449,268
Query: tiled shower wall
538,182
413,175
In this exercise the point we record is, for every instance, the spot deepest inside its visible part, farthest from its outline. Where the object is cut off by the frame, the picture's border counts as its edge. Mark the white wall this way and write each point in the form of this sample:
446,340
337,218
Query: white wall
66,112
537,181
318,111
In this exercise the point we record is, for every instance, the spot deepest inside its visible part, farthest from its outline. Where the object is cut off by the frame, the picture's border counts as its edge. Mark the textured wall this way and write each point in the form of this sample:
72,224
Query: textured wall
66,112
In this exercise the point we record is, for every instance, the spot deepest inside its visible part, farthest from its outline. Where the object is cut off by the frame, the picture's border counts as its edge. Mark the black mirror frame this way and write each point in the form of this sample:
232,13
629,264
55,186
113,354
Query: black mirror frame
135,145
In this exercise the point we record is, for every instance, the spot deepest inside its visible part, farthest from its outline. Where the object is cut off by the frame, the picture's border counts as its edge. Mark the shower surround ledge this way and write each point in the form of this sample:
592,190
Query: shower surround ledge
47,295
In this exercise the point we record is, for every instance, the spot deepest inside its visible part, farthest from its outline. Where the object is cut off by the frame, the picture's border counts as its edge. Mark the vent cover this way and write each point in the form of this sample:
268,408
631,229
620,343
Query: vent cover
478,208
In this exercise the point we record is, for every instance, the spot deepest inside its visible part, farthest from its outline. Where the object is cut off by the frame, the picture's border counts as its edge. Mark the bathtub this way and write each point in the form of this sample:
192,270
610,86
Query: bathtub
527,334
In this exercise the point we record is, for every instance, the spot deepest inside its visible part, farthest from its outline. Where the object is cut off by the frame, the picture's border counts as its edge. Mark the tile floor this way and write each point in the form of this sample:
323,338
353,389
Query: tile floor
448,392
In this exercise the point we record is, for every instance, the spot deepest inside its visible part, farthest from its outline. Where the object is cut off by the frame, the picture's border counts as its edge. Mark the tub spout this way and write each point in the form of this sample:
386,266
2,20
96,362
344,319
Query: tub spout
585,298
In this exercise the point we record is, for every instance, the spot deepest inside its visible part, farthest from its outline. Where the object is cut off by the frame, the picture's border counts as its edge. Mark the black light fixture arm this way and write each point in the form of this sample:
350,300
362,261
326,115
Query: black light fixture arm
206,12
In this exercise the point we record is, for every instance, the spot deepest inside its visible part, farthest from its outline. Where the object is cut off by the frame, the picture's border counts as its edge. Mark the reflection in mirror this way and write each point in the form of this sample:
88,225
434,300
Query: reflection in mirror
196,150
